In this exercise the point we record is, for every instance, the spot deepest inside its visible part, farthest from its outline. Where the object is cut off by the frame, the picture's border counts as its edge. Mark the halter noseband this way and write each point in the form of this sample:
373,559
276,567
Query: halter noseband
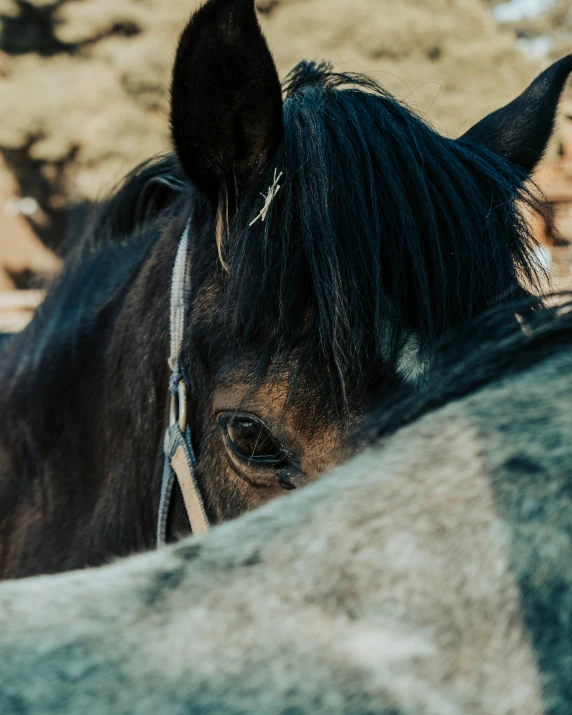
177,447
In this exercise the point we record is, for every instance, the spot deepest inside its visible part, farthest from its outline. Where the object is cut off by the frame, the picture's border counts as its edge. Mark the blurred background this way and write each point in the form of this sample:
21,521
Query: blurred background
84,96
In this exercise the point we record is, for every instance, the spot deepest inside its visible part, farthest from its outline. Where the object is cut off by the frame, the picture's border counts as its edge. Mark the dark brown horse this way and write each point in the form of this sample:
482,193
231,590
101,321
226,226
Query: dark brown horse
373,238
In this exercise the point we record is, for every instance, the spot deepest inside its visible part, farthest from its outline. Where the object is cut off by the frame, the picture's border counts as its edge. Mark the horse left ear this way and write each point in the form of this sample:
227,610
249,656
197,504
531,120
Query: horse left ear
520,131
226,98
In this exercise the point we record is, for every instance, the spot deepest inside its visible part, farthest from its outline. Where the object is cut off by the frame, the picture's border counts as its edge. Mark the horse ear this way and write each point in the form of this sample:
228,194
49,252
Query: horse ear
520,131
226,99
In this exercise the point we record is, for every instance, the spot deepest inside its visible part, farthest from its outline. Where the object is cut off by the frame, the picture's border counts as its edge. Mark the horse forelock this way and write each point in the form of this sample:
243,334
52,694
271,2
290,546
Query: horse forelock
381,228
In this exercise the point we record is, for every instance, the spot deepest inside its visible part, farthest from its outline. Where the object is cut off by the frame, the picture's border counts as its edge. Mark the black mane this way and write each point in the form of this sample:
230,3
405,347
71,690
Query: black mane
381,226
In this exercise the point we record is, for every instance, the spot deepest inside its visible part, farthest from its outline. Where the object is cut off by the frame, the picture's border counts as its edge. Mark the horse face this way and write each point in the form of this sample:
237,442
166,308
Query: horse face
226,120
394,258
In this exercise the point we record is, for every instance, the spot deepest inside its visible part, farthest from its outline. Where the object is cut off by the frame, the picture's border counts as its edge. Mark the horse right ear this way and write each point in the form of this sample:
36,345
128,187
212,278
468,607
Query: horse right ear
520,131
226,98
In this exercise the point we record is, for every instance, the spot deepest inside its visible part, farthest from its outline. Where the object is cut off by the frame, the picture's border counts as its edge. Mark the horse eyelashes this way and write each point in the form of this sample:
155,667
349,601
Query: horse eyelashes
286,475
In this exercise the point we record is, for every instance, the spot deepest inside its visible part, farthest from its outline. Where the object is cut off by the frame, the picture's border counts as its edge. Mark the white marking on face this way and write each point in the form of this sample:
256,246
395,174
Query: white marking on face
412,363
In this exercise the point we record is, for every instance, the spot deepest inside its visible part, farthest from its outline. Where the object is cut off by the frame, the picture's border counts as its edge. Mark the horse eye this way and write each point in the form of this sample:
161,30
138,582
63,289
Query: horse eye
251,441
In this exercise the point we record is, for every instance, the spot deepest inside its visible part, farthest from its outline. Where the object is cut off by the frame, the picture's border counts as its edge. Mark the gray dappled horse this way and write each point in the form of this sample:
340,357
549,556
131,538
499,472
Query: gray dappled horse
429,575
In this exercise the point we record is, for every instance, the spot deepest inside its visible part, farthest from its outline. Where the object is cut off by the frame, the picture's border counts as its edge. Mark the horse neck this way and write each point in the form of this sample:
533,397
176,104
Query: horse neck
81,420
